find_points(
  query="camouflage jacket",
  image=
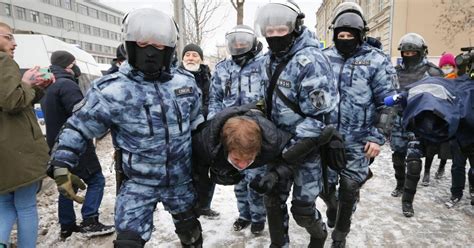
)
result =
(151, 123)
(363, 80)
(308, 81)
(233, 85)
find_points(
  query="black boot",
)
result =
(67, 230)
(440, 172)
(409, 191)
(426, 179)
(399, 166)
(348, 195)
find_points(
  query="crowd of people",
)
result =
(296, 119)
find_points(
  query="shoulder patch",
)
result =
(303, 60)
(100, 81)
(79, 105)
(317, 99)
(183, 91)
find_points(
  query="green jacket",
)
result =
(23, 149)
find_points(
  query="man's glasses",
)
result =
(9, 37)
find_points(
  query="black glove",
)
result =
(264, 185)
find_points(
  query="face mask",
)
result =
(346, 47)
(191, 66)
(447, 70)
(242, 59)
(76, 70)
(237, 167)
(151, 61)
(281, 44)
(411, 61)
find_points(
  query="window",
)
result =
(97, 48)
(96, 31)
(67, 4)
(93, 13)
(87, 29)
(105, 33)
(82, 9)
(48, 19)
(55, 2)
(8, 10)
(70, 25)
(88, 46)
(103, 16)
(107, 49)
(59, 22)
(45, 1)
(20, 13)
(34, 16)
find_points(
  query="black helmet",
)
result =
(352, 21)
(413, 42)
(347, 7)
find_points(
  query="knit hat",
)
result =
(447, 59)
(193, 47)
(62, 59)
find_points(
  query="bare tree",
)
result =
(239, 7)
(456, 17)
(198, 14)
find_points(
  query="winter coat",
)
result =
(113, 68)
(209, 151)
(57, 105)
(363, 80)
(23, 149)
(150, 120)
(203, 81)
(307, 81)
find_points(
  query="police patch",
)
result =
(303, 60)
(317, 99)
(183, 91)
(79, 105)
(284, 83)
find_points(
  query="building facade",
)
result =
(446, 25)
(94, 27)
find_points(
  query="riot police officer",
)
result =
(150, 111)
(365, 77)
(299, 92)
(414, 67)
(237, 81)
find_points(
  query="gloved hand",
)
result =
(265, 184)
(66, 183)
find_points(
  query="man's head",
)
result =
(121, 54)
(413, 49)
(349, 32)
(242, 139)
(66, 61)
(192, 57)
(7, 40)
(150, 47)
(280, 23)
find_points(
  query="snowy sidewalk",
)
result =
(378, 221)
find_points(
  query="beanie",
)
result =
(62, 59)
(447, 59)
(193, 47)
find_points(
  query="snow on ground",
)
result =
(378, 221)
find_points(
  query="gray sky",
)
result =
(226, 15)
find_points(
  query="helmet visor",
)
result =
(411, 42)
(150, 26)
(239, 42)
(273, 20)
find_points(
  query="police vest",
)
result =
(407, 77)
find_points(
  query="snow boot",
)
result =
(67, 230)
(257, 228)
(399, 165)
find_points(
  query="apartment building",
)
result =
(94, 27)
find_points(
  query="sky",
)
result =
(226, 15)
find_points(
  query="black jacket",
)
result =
(57, 105)
(208, 149)
(113, 68)
(203, 81)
